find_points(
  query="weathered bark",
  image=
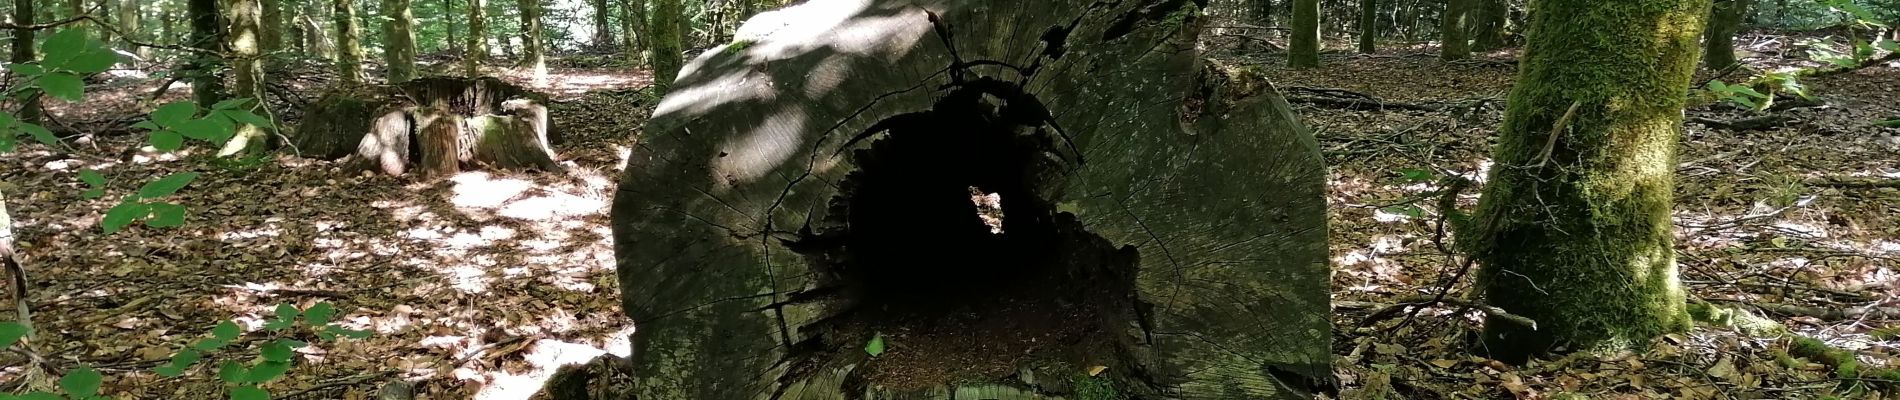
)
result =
(1719, 46)
(665, 41)
(1303, 50)
(636, 28)
(247, 66)
(1574, 230)
(1368, 26)
(379, 126)
(349, 47)
(273, 30)
(475, 45)
(603, 30)
(317, 43)
(15, 270)
(532, 42)
(789, 200)
(439, 137)
(130, 24)
(206, 33)
(399, 40)
(24, 52)
(1487, 24)
(1452, 30)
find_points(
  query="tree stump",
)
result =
(977, 199)
(438, 124)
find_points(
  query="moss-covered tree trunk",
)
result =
(1453, 29)
(1724, 22)
(1487, 22)
(665, 41)
(790, 202)
(1368, 26)
(206, 34)
(273, 31)
(24, 52)
(475, 43)
(247, 68)
(399, 40)
(635, 21)
(1303, 51)
(1574, 229)
(533, 43)
(349, 43)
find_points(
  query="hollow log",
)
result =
(385, 127)
(976, 199)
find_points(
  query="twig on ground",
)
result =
(1388, 311)
(1745, 124)
(1802, 202)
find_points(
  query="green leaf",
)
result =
(93, 193)
(293, 343)
(1892, 123)
(40, 396)
(26, 70)
(268, 371)
(327, 335)
(248, 392)
(247, 118)
(215, 130)
(209, 344)
(123, 215)
(1407, 210)
(166, 215)
(10, 333)
(231, 104)
(167, 185)
(876, 346)
(319, 314)
(92, 178)
(147, 125)
(184, 359)
(82, 382)
(1416, 174)
(174, 113)
(167, 140)
(346, 332)
(63, 86)
(277, 351)
(62, 47)
(94, 61)
(6, 143)
(1888, 45)
(169, 371)
(226, 331)
(39, 133)
(233, 372)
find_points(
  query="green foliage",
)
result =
(876, 346)
(1741, 95)
(10, 333)
(274, 358)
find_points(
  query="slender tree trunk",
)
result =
(535, 56)
(399, 40)
(1368, 26)
(1303, 51)
(666, 43)
(603, 30)
(1487, 24)
(349, 47)
(1453, 29)
(636, 21)
(246, 44)
(130, 24)
(448, 21)
(206, 86)
(1723, 23)
(23, 52)
(273, 25)
(76, 8)
(475, 47)
(1573, 230)
(294, 35)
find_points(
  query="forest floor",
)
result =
(477, 285)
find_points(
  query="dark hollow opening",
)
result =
(919, 257)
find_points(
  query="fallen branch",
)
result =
(1389, 311)
(1802, 202)
(1744, 124)
(1362, 104)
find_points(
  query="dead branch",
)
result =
(1362, 104)
(1745, 124)
(1389, 311)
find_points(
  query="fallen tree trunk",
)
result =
(984, 199)
(439, 125)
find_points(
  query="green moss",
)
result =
(739, 45)
(1096, 388)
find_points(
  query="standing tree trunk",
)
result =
(665, 40)
(23, 52)
(1574, 230)
(10, 263)
(206, 86)
(399, 40)
(603, 29)
(247, 65)
(448, 23)
(532, 43)
(1727, 18)
(75, 8)
(1487, 24)
(273, 30)
(1303, 52)
(1452, 30)
(635, 21)
(795, 205)
(130, 23)
(293, 31)
(475, 45)
(1368, 26)
(349, 47)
